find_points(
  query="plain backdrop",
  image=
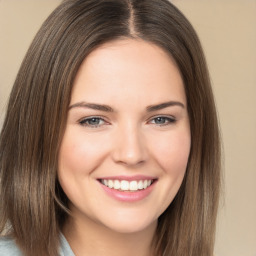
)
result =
(227, 29)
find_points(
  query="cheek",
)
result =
(79, 154)
(172, 152)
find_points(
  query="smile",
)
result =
(128, 188)
(124, 185)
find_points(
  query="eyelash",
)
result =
(168, 120)
(85, 121)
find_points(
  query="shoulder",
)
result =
(8, 247)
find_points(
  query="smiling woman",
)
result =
(110, 144)
(126, 157)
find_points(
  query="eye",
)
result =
(163, 120)
(92, 122)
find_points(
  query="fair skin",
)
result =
(118, 130)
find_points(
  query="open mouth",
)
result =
(127, 186)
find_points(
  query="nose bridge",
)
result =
(129, 146)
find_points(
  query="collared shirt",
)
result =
(9, 248)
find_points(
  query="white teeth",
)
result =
(125, 185)
(116, 184)
(140, 184)
(110, 183)
(133, 185)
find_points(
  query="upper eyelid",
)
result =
(91, 117)
(164, 116)
(83, 121)
(105, 119)
(151, 117)
(108, 120)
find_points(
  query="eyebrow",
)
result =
(95, 106)
(107, 108)
(160, 106)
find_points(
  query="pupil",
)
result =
(94, 121)
(160, 120)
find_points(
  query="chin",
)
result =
(131, 225)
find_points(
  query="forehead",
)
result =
(131, 69)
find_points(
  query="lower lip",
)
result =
(126, 196)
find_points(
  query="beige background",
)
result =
(227, 29)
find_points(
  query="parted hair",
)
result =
(33, 206)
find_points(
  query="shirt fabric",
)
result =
(9, 248)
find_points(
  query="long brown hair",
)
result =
(33, 205)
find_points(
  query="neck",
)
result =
(90, 238)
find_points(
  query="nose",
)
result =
(129, 147)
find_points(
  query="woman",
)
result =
(110, 143)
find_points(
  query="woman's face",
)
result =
(127, 140)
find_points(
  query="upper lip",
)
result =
(128, 178)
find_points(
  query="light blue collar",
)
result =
(65, 249)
